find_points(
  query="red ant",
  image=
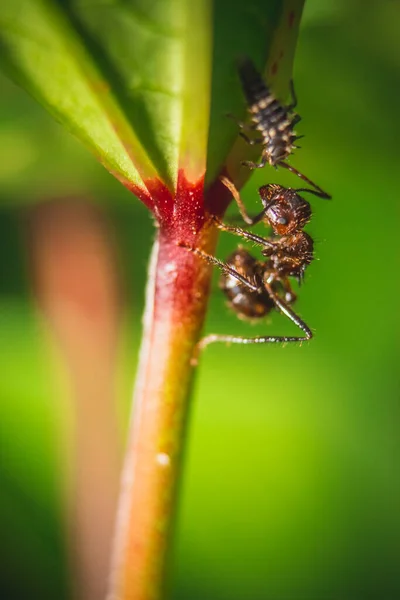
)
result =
(255, 287)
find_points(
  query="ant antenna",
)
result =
(317, 191)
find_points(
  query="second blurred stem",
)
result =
(74, 281)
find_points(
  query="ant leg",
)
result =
(319, 194)
(250, 141)
(242, 209)
(317, 191)
(253, 165)
(288, 312)
(221, 265)
(260, 241)
(233, 339)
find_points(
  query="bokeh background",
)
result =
(292, 482)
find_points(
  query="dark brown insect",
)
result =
(255, 287)
(286, 212)
(274, 121)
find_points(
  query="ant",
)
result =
(287, 213)
(254, 287)
(274, 121)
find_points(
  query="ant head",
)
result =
(285, 211)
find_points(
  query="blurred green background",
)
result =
(292, 484)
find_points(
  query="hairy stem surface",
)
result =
(175, 308)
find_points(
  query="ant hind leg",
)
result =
(234, 339)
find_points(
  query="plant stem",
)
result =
(73, 265)
(175, 308)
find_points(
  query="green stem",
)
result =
(175, 308)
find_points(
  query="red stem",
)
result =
(175, 308)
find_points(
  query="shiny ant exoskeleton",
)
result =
(287, 213)
(274, 121)
(255, 287)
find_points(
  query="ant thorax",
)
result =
(246, 303)
(291, 254)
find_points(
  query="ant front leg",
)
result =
(221, 265)
(268, 245)
(242, 209)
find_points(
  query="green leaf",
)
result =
(46, 55)
(146, 85)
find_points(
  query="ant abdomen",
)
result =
(247, 303)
